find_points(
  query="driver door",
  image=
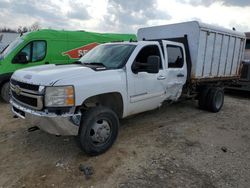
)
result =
(146, 90)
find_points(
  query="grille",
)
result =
(24, 99)
(25, 85)
(27, 94)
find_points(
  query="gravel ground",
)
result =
(177, 145)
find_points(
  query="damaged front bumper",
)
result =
(65, 124)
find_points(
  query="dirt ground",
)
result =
(177, 145)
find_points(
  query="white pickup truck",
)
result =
(116, 80)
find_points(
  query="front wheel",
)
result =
(98, 130)
(5, 92)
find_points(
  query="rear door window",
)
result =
(175, 56)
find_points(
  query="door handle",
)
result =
(180, 75)
(161, 77)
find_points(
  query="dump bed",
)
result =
(215, 52)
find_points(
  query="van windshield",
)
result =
(111, 56)
(11, 47)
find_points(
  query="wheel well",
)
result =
(112, 100)
(3, 82)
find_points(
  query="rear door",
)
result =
(176, 69)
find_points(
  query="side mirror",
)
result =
(153, 64)
(21, 58)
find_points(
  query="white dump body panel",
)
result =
(215, 52)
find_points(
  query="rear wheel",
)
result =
(215, 99)
(203, 96)
(98, 130)
(5, 92)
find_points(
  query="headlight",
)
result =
(59, 96)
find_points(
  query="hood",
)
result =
(49, 74)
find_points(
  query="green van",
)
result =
(49, 47)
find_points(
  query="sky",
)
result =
(122, 16)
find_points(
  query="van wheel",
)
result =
(98, 130)
(202, 98)
(5, 92)
(215, 99)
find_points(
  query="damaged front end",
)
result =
(31, 103)
(64, 124)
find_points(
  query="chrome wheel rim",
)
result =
(100, 131)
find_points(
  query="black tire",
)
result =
(93, 128)
(5, 92)
(215, 99)
(203, 97)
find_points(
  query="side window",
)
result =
(38, 50)
(175, 56)
(248, 44)
(27, 50)
(146, 52)
(35, 50)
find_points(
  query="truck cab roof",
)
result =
(137, 43)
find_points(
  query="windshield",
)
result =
(111, 56)
(11, 47)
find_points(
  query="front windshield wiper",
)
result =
(4, 49)
(77, 62)
(95, 63)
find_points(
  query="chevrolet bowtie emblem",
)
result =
(17, 90)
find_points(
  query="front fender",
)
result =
(101, 82)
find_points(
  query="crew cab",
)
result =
(116, 80)
(48, 46)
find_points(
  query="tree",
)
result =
(35, 26)
(9, 30)
(22, 29)
(25, 29)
